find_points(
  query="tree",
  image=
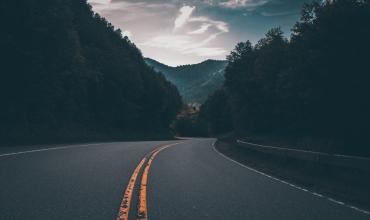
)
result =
(216, 112)
(315, 84)
(68, 73)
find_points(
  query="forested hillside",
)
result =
(195, 82)
(68, 73)
(315, 84)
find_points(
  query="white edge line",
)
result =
(290, 184)
(283, 148)
(48, 149)
(304, 151)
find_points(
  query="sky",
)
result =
(178, 32)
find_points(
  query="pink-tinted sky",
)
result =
(178, 32)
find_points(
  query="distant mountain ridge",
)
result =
(196, 81)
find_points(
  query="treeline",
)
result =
(194, 82)
(315, 84)
(68, 73)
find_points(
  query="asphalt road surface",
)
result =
(189, 180)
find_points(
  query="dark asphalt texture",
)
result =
(186, 181)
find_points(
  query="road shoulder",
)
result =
(338, 184)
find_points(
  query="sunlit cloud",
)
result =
(220, 25)
(189, 31)
(127, 33)
(127, 10)
(185, 45)
(99, 1)
(186, 42)
(234, 3)
(207, 52)
(185, 13)
(201, 30)
(176, 42)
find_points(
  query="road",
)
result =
(189, 180)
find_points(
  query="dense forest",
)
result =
(195, 82)
(68, 73)
(314, 84)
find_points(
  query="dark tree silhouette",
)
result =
(68, 73)
(216, 112)
(315, 84)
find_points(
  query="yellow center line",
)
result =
(143, 210)
(126, 201)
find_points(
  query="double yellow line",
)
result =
(142, 212)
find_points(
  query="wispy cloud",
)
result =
(189, 31)
(243, 3)
(201, 30)
(220, 25)
(127, 10)
(99, 1)
(190, 42)
(185, 13)
(282, 13)
(207, 51)
(185, 45)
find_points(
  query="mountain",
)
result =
(67, 72)
(195, 82)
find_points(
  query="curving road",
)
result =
(189, 180)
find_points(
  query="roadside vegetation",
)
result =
(68, 74)
(188, 124)
(313, 86)
(194, 82)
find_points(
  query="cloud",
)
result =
(176, 42)
(201, 30)
(127, 33)
(193, 35)
(99, 1)
(234, 3)
(185, 13)
(207, 51)
(283, 13)
(185, 44)
(126, 10)
(243, 3)
(220, 25)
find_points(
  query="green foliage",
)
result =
(190, 126)
(216, 112)
(66, 68)
(195, 82)
(315, 84)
